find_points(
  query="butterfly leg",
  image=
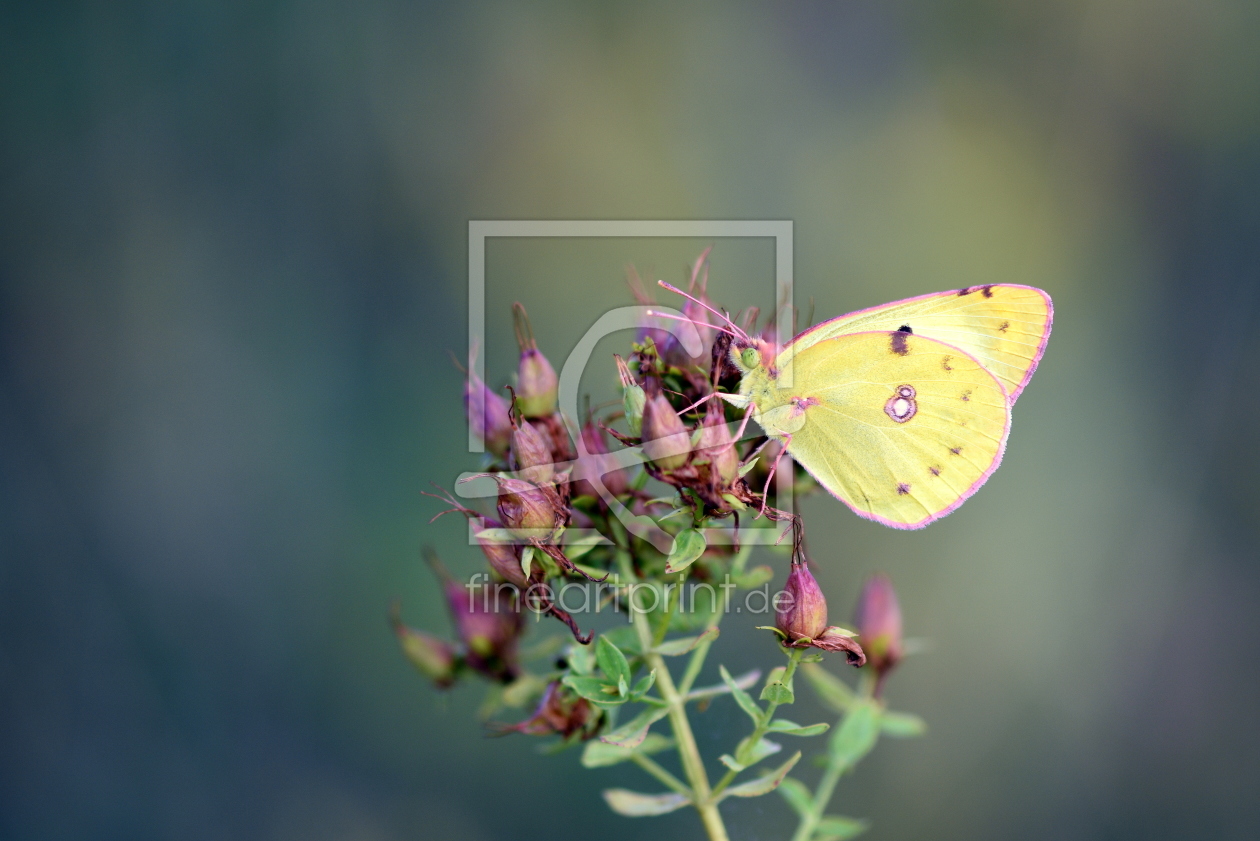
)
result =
(774, 468)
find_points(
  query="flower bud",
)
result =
(633, 397)
(536, 380)
(878, 619)
(562, 712)
(666, 442)
(487, 414)
(528, 507)
(432, 657)
(503, 558)
(531, 454)
(716, 446)
(801, 610)
(487, 621)
(597, 464)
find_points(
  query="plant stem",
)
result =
(827, 785)
(688, 751)
(794, 657)
(650, 765)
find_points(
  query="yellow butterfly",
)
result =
(901, 411)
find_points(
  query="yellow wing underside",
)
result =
(842, 416)
(1005, 327)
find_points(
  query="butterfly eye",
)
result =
(751, 357)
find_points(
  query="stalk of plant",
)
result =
(630, 694)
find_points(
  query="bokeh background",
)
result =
(233, 255)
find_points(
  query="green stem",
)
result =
(650, 765)
(767, 715)
(827, 785)
(688, 751)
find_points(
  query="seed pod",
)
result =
(536, 381)
(666, 442)
(487, 414)
(531, 454)
(432, 657)
(597, 464)
(488, 622)
(801, 610)
(528, 508)
(632, 397)
(717, 447)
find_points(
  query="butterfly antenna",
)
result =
(718, 327)
(734, 331)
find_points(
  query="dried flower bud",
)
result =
(531, 453)
(560, 711)
(529, 508)
(487, 413)
(878, 620)
(633, 397)
(432, 657)
(839, 639)
(716, 445)
(801, 610)
(536, 380)
(666, 442)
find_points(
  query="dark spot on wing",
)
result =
(934, 470)
(898, 343)
(945, 363)
(1004, 327)
(988, 291)
(905, 328)
(903, 489)
(956, 450)
(966, 396)
(966, 290)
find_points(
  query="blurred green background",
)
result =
(233, 256)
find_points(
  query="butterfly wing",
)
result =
(1004, 326)
(904, 463)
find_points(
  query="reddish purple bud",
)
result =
(432, 657)
(801, 609)
(878, 620)
(716, 445)
(597, 464)
(488, 622)
(666, 441)
(563, 712)
(487, 414)
(531, 453)
(536, 380)
(533, 508)
(503, 557)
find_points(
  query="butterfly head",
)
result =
(748, 354)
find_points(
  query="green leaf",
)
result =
(581, 659)
(797, 796)
(744, 469)
(744, 681)
(763, 784)
(633, 732)
(831, 690)
(623, 688)
(689, 544)
(524, 689)
(857, 734)
(683, 645)
(777, 693)
(601, 754)
(642, 685)
(576, 548)
(592, 688)
(625, 637)
(746, 757)
(902, 725)
(611, 661)
(635, 805)
(745, 701)
(789, 728)
(753, 578)
(527, 560)
(837, 828)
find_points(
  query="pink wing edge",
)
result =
(975, 486)
(1041, 347)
